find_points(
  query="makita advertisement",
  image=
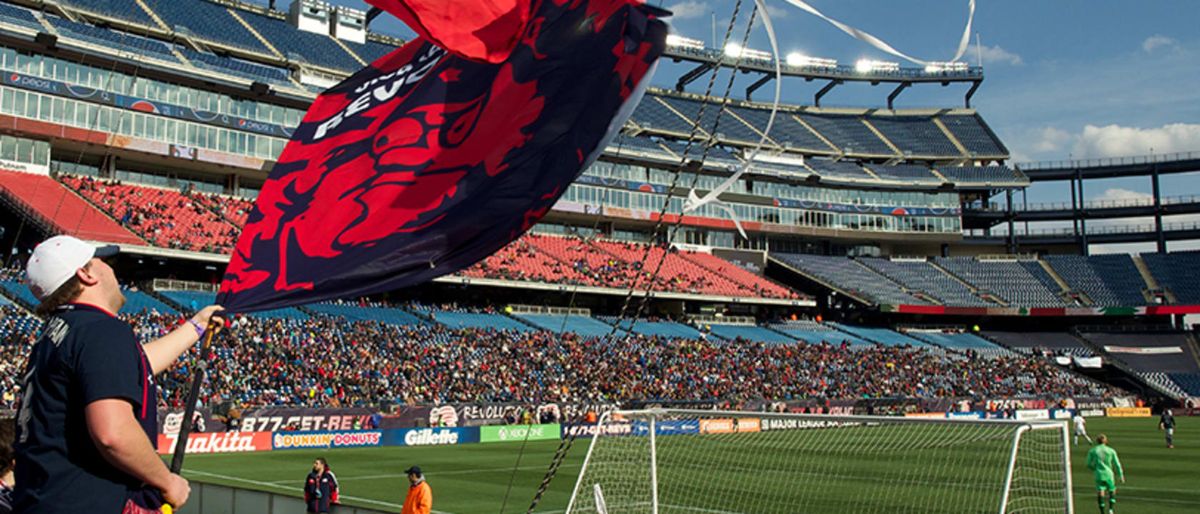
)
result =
(218, 442)
(350, 439)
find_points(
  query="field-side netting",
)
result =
(680, 461)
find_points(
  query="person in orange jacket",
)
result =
(420, 498)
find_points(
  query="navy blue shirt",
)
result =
(83, 354)
(318, 491)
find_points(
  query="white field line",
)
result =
(293, 488)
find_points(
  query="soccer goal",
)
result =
(693, 461)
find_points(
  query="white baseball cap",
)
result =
(55, 261)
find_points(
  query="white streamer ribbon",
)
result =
(880, 44)
(695, 201)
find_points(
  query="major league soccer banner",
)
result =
(437, 155)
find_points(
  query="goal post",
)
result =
(667, 461)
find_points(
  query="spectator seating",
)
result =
(1177, 273)
(786, 131)
(921, 276)
(208, 21)
(1109, 280)
(61, 209)
(845, 274)
(884, 336)
(904, 172)
(728, 127)
(961, 341)
(914, 135)
(17, 15)
(749, 333)
(653, 114)
(167, 218)
(192, 301)
(981, 174)
(1030, 342)
(523, 261)
(1164, 382)
(848, 133)
(137, 302)
(237, 67)
(1188, 382)
(1004, 278)
(16, 289)
(812, 332)
(750, 282)
(840, 169)
(974, 134)
(667, 329)
(574, 323)
(351, 312)
(1170, 351)
(321, 50)
(127, 10)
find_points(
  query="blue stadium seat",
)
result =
(812, 332)
(668, 329)
(127, 10)
(1176, 272)
(845, 274)
(981, 174)
(237, 67)
(1109, 280)
(786, 131)
(904, 172)
(962, 341)
(112, 39)
(582, 325)
(137, 302)
(372, 50)
(914, 135)
(208, 21)
(845, 169)
(652, 114)
(18, 291)
(750, 333)
(848, 133)
(318, 49)
(478, 320)
(390, 315)
(191, 301)
(974, 134)
(19, 16)
(882, 336)
(921, 276)
(1007, 279)
(729, 127)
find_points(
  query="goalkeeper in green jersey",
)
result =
(1103, 461)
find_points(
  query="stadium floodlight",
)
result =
(735, 50)
(663, 460)
(677, 41)
(938, 67)
(871, 66)
(799, 60)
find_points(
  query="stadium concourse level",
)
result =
(341, 361)
(1008, 281)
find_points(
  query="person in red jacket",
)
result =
(320, 488)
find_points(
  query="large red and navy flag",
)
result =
(438, 155)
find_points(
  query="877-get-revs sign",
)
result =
(275, 419)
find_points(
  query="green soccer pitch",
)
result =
(475, 478)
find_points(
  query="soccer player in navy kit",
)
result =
(86, 426)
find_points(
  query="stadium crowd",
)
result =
(328, 361)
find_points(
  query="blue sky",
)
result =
(1064, 78)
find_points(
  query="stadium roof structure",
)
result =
(682, 49)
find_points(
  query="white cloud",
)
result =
(1050, 139)
(689, 9)
(1118, 141)
(1157, 41)
(1119, 194)
(994, 55)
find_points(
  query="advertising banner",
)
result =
(588, 431)
(218, 442)
(346, 439)
(1127, 412)
(203, 420)
(1061, 414)
(431, 436)
(508, 433)
(667, 427)
(965, 415)
(729, 425)
(939, 415)
(1032, 414)
(769, 424)
(278, 419)
(1091, 413)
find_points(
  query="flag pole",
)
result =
(189, 407)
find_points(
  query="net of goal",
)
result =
(686, 461)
